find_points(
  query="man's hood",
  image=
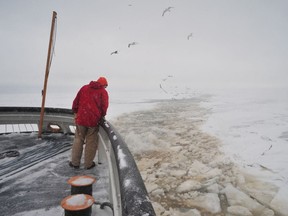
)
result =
(95, 85)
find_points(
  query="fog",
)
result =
(233, 44)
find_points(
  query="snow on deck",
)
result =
(39, 189)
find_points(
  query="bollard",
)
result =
(81, 184)
(78, 205)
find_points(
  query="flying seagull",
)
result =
(115, 52)
(169, 76)
(163, 89)
(132, 44)
(190, 35)
(167, 10)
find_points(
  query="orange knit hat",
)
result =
(102, 81)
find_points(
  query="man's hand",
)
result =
(102, 120)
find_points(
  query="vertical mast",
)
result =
(48, 64)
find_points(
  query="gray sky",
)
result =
(235, 43)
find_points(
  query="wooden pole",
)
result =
(54, 16)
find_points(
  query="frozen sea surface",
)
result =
(250, 124)
(253, 127)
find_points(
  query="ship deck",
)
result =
(36, 179)
(34, 171)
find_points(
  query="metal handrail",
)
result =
(63, 118)
(134, 197)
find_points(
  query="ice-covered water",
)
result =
(253, 127)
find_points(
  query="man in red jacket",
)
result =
(89, 106)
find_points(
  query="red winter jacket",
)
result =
(90, 104)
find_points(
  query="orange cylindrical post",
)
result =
(81, 184)
(78, 205)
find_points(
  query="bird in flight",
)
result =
(190, 35)
(163, 89)
(167, 10)
(169, 76)
(132, 44)
(115, 52)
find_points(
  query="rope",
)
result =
(12, 153)
(54, 42)
(102, 205)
